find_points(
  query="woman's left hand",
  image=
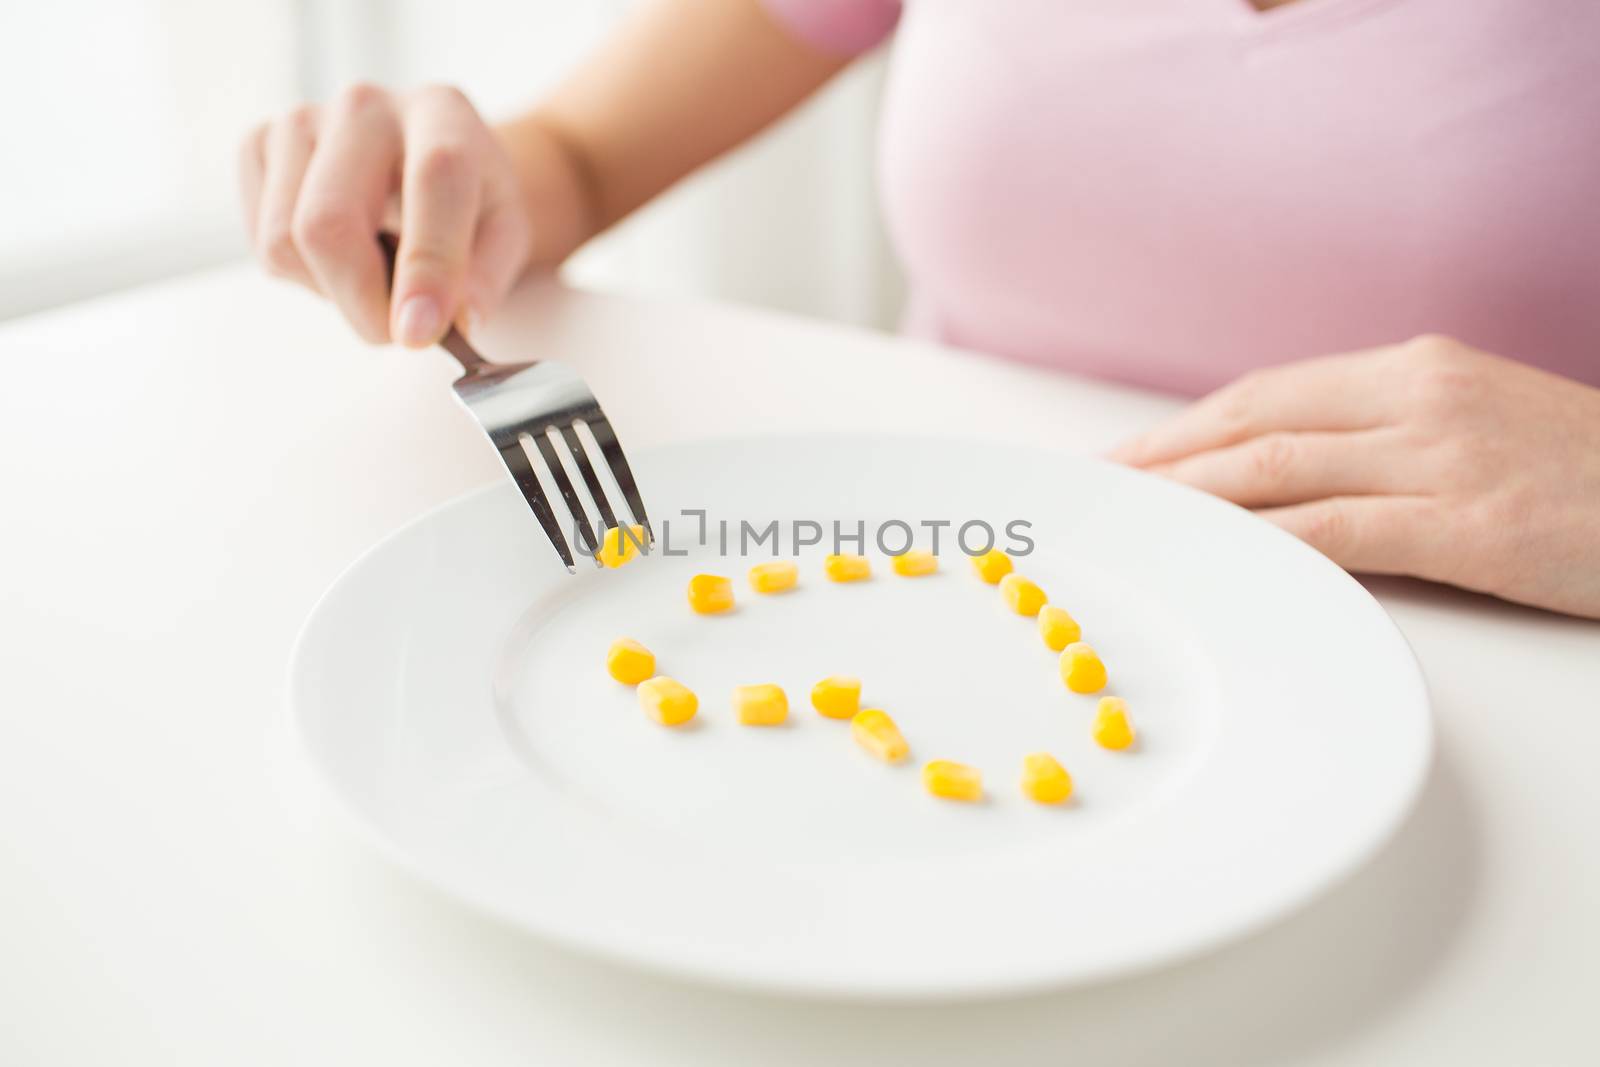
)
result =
(1427, 458)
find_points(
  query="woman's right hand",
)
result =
(319, 183)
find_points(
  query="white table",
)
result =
(186, 467)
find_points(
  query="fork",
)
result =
(541, 402)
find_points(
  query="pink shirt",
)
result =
(1172, 192)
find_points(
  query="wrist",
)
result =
(556, 189)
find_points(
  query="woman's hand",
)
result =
(674, 86)
(1428, 459)
(320, 182)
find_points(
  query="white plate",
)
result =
(451, 689)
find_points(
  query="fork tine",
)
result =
(580, 456)
(606, 438)
(516, 461)
(570, 495)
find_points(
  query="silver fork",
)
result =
(536, 403)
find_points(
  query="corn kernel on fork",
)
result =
(537, 403)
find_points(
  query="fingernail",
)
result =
(472, 322)
(419, 321)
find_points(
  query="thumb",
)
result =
(438, 205)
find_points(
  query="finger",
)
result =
(1370, 534)
(252, 164)
(1292, 468)
(341, 204)
(1328, 393)
(287, 150)
(440, 194)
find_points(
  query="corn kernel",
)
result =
(992, 565)
(847, 568)
(710, 594)
(1024, 597)
(877, 733)
(1057, 628)
(774, 577)
(630, 662)
(668, 702)
(1081, 669)
(618, 546)
(1111, 727)
(1044, 780)
(953, 781)
(915, 563)
(760, 705)
(837, 697)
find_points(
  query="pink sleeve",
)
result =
(843, 27)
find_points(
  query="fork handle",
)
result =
(454, 341)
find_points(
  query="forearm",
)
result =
(677, 85)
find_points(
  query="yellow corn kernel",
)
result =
(1044, 780)
(760, 705)
(837, 697)
(1024, 597)
(668, 702)
(1081, 669)
(847, 568)
(710, 594)
(630, 662)
(1058, 629)
(953, 781)
(618, 546)
(1111, 726)
(992, 565)
(877, 733)
(915, 563)
(774, 577)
